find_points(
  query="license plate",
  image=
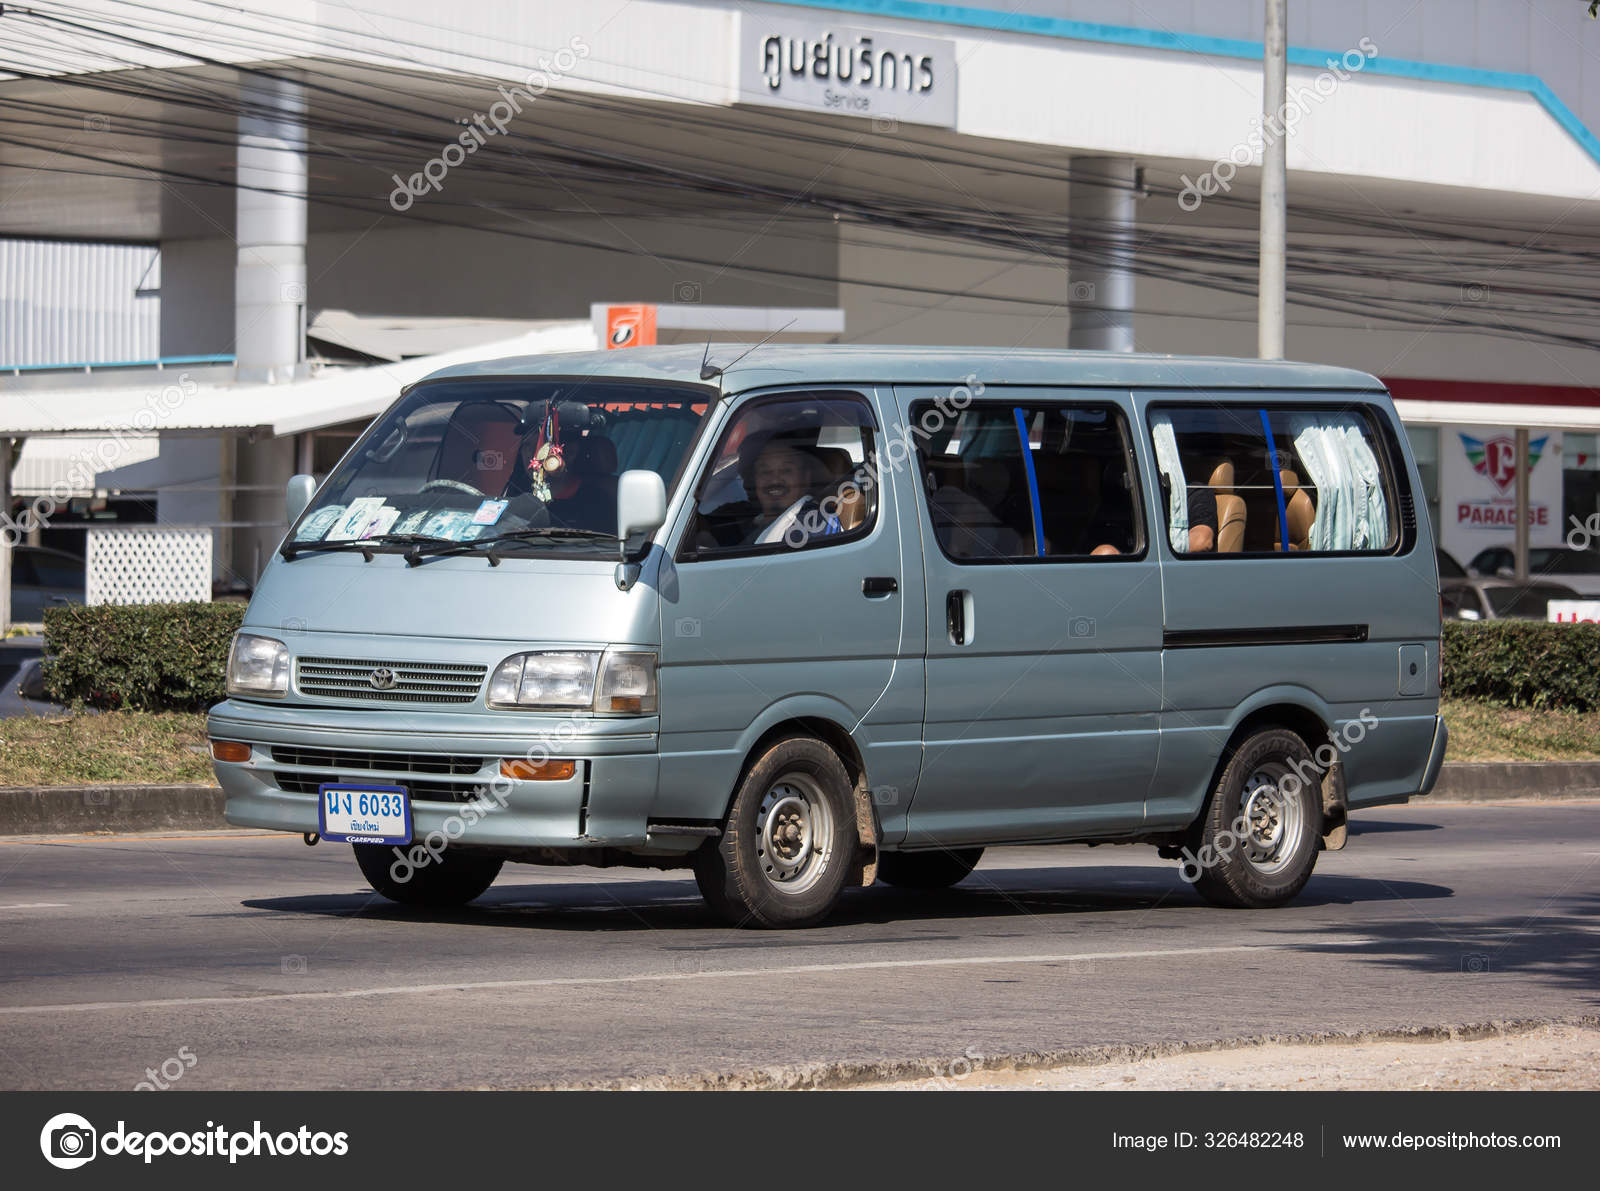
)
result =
(364, 814)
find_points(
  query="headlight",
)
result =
(544, 680)
(258, 666)
(617, 680)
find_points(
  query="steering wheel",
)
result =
(451, 486)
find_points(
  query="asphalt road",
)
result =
(271, 966)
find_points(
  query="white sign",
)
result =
(823, 67)
(1573, 611)
(1478, 489)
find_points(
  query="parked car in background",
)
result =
(1500, 599)
(41, 578)
(1449, 568)
(1578, 569)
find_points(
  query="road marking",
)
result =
(35, 906)
(726, 973)
(24, 841)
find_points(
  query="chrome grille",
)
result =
(302, 782)
(412, 682)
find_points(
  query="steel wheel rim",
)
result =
(1271, 821)
(794, 834)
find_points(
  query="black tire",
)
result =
(1272, 862)
(798, 785)
(928, 870)
(456, 878)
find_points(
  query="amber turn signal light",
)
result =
(537, 771)
(230, 750)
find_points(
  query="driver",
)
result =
(781, 479)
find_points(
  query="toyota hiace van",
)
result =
(827, 615)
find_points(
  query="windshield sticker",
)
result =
(489, 512)
(450, 524)
(314, 526)
(381, 522)
(359, 519)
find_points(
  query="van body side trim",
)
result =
(1311, 634)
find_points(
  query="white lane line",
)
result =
(643, 978)
(35, 906)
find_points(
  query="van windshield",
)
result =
(456, 461)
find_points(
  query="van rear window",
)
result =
(1253, 480)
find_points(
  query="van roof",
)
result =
(788, 364)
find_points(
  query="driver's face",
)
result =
(780, 474)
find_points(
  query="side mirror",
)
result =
(297, 495)
(641, 507)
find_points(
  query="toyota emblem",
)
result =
(382, 679)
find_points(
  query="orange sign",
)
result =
(630, 326)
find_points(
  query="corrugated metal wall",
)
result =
(74, 304)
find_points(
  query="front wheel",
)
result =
(1256, 844)
(789, 842)
(455, 878)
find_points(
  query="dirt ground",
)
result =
(1548, 1058)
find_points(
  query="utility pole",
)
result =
(1274, 214)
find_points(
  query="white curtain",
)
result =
(1352, 513)
(1167, 460)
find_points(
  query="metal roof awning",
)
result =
(75, 463)
(176, 407)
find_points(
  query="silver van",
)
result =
(820, 616)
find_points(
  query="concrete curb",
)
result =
(1497, 781)
(69, 810)
(945, 1071)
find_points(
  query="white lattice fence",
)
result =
(148, 565)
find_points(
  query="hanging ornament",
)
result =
(547, 457)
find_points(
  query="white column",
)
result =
(1100, 201)
(269, 299)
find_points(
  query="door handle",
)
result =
(955, 616)
(875, 586)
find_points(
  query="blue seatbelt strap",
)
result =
(1277, 483)
(1033, 481)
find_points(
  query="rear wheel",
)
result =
(928, 870)
(1256, 844)
(454, 879)
(790, 838)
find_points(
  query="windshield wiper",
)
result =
(291, 550)
(540, 533)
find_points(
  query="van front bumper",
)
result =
(446, 760)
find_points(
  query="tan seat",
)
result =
(1230, 510)
(1301, 511)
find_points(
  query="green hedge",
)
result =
(139, 657)
(170, 657)
(1522, 663)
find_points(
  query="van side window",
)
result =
(1258, 480)
(788, 475)
(1029, 481)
